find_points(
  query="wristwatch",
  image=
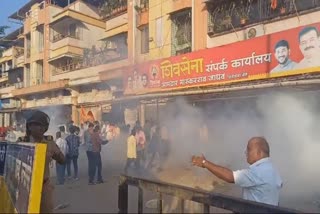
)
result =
(203, 162)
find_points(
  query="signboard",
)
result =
(106, 108)
(23, 177)
(130, 116)
(290, 52)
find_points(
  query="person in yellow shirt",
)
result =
(131, 150)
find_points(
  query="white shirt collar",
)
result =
(263, 160)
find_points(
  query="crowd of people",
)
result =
(148, 146)
(92, 135)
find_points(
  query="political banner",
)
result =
(285, 53)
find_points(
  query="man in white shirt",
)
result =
(260, 182)
(309, 39)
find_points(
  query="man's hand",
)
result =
(219, 171)
(198, 161)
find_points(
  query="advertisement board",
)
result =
(285, 53)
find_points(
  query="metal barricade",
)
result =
(208, 199)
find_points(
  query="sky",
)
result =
(7, 7)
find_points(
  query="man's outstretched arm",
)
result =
(219, 171)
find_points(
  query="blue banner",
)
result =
(18, 174)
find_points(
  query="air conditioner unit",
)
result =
(211, 29)
(255, 31)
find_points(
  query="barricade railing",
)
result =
(208, 199)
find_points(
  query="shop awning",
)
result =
(244, 89)
(45, 87)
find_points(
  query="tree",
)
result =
(2, 34)
(3, 31)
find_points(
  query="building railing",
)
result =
(34, 13)
(185, 193)
(228, 15)
(18, 85)
(89, 60)
(144, 6)
(59, 37)
(113, 8)
(19, 52)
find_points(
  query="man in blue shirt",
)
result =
(260, 182)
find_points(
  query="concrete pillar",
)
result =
(74, 110)
(142, 114)
(75, 115)
(98, 113)
(1, 119)
(6, 119)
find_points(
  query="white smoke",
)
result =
(288, 122)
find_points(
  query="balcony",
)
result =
(113, 8)
(51, 86)
(75, 15)
(59, 37)
(19, 57)
(94, 96)
(20, 61)
(116, 22)
(4, 78)
(143, 18)
(7, 55)
(66, 46)
(60, 100)
(27, 26)
(6, 89)
(90, 59)
(230, 15)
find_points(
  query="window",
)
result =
(145, 39)
(74, 31)
(159, 34)
(41, 38)
(118, 43)
(228, 14)
(27, 75)
(144, 4)
(28, 45)
(181, 32)
(39, 72)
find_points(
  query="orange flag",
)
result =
(90, 116)
(274, 4)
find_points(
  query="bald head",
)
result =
(261, 144)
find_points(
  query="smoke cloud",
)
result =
(289, 122)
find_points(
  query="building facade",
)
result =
(80, 54)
